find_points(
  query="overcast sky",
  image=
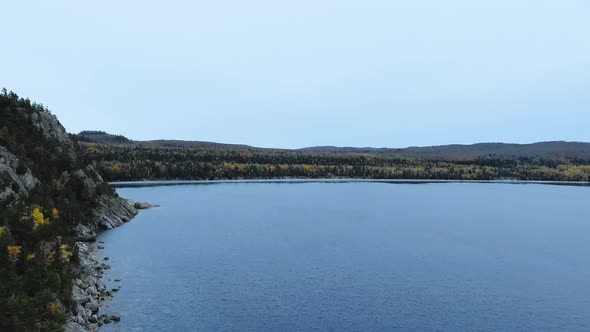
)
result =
(306, 72)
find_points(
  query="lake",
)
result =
(357, 256)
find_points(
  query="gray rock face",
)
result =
(48, 125)
(92, 306)
(89, 184)
(13, 184)
(75, 327)
(88, 292)
(85, 233)
(143, 205)
(113, 212)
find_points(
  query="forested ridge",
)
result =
(47, 196)
(186, 161)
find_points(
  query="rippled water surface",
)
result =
(353, 257)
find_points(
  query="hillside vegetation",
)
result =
(165, 159)
(48, 200)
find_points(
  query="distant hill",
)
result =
(191, 145)
(557, 150)
(101, 137)
(554, 150)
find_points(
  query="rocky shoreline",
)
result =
(88, 290)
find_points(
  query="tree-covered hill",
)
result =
(49, 200)
(559, 151)
(138, 161)
(101, 137)
(194, 160)
(555, 151)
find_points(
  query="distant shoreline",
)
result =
(160, 183)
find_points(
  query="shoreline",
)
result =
(89, 292)
(396, 214)
(159, 183)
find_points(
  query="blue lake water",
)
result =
(353, 257)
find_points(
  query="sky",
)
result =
(291, 74)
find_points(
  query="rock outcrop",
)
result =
(88, 292)
(113, 212)
(48, 125)
(142, 205)
(38, 158)
(15, 179)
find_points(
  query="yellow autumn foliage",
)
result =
(55, 212)
(310, 168)
(116, 166)
(234, 166)
(37, 215)
(39, 218)
(13, 253)
(53, 307)
(30, 257)
(65, 253)
(577, 170)
(1, 231)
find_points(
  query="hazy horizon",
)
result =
(375, 73)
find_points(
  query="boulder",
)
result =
(74, 327)
(93, 306)
(142, 205)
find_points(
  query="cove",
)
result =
(352, 256)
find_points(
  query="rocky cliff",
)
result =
(50, 204)
(17, 180)
(14, 181)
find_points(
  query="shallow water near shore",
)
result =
(352, 256)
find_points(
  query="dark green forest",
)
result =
(37, 237)
(148, 161)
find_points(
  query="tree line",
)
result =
(136, 162)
